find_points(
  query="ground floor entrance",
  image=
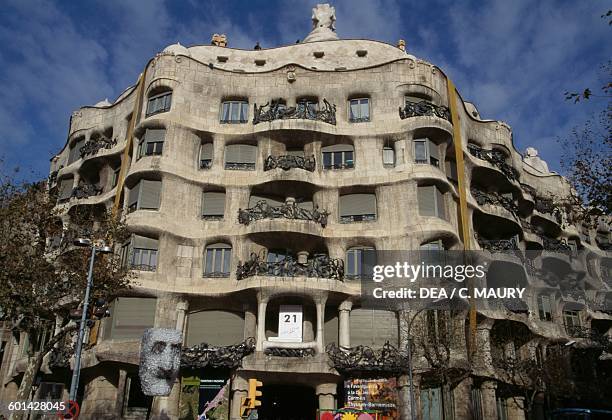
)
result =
(288, 402)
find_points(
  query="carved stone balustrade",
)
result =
(495, 158)
(277, 111)
(286, 162)
(94, 145)
(203, 355)
(287, 352)
(86, 190)
(424, 108)
(363, 359)
(496, 199)
(319, 266)
(262, 210)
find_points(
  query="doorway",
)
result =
(287, 402)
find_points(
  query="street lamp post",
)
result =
(74, 384)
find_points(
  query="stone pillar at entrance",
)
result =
(489, 404)
(262, 304)
(515, 408)
(344, 333)
(320, 304)
(326, 394)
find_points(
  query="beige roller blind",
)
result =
(65, 188)
(153, 135)
(144, 243)
(213, 204)
(240, 153)
(357, 204)
(134, 194)
(434, 150)
(75, 151)
(427, 200)
(272, 201)
(131, 316)
(440, 204)
(331, 327)
(216, 328)
(338, 148)
(372, 327)
(150, 194)
(206, 151)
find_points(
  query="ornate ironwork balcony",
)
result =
(93, 146)
(358, 218)
(495, 199)
(240, 166)
(363, 359)
(86, 191)
(263, 210)
(424, 108)
(286, 162)
(555, 245)
(277, 111)
(498, 245)
(203, 355)
(284, 352)
(205, 163)
(319, 266)
(495, 158)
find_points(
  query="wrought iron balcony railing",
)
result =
(277, 111)
(424, 108)
(286, 352)
(241, 166)
(555, 245)
(262, 210)
(498, 245)
(203, 355)
(495, 199)
(357, 218)
(286, 162)
(495, 158)
(86, 191)
(93, 146)
(205, 163)
(319, 266)
(362, 359)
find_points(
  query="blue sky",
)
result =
(513, 59)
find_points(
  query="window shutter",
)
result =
(357, 204)
(331, 327)
(150, 194)
(232, 153)
(75, 151)
(388, 156)
(154, 135)
(143, 242)
(213, 204)
(434, 150)
(371, 327)
(338, 148)
(451, 170)
(426, 197)
(440, 202)
(134, 194)
(248, 153)
(272, 201)
(131, 316)
(420, 150)
(216, 328)
(65, 188)
(206, 151)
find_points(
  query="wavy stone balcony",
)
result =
(93, 146)
(495, 199)
(495, 158)
(424, 109)
(303, 110)
(286, 162)
(289, 210)
(86, 190)
(203, 355)
(319, 266)
(497, 245)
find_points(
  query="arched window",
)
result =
(217, 260)
(159, 102)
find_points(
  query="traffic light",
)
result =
(254, 393)
(250, 401)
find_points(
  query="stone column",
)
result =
(344, 329)
(320, 305)
(327, 396)
(462, 397)
(403, 386)
(516, 408)
(181, 317)
(489, 403)
(164, 408)
(262, 304)
(120, 393)
(250, 321)
(239, 390)
(482, 356)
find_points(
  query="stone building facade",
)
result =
(255, 182)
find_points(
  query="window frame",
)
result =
(356, 218)
(353, 271)
(360, 102)
(576, 322)
(543, 314)
(338, 159)
(167, 103)
(226, 260)
(206, 163)
(394, 160)
(442, 195)
(138, 204)
(243, 111)
(429, 159)
(143, 145)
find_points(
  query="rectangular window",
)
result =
(115, 179)
(217, 260)
(544, 308)
(431, 201)
(75, 151)
(338, 156)
(360, 262)
(234, 112)
(357, 208)
(159, 103)
(130, 316)
(502, 408)
(308, 107)
(240, 156)
(426, 151)
(388, 156)
(572, 321)
(436, 404)
(65, 189)
(206, 155)
(144, 253)
(451, 170)
(152, 143)
(146, 195)
(213, 205)
(359, 110)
